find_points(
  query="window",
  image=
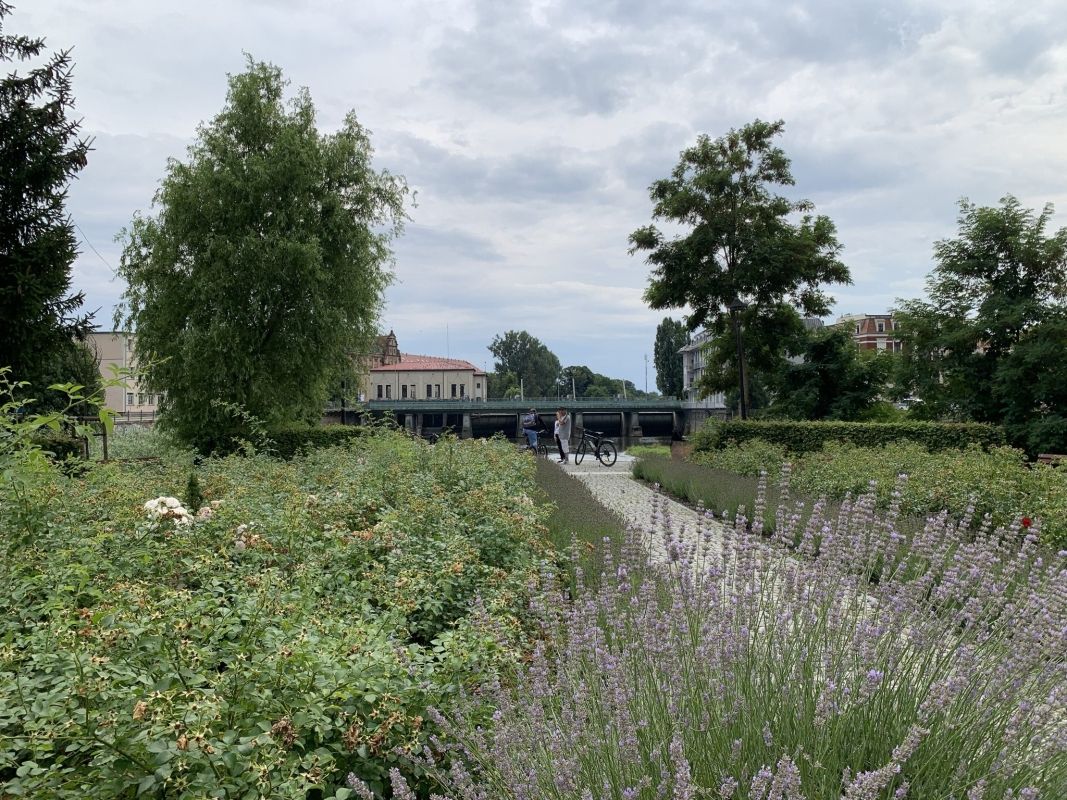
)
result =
(429, 391)
(857, 327)
(881, 326)
(140, 398)
(129, 398)
(388, 391)
(437, 391)
(404, 392)
(453, 391)
(898, 346)
(463, 390)
(414, 391)
(478, 386)
(379, 391)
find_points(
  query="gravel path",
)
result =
(616, 489)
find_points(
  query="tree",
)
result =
(42, 334)
(529, 360)
(671, 337)
(264, 267)
(741, 246)
(992, 288)
(1032, 385)
(832, 379)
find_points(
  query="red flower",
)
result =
(1027, 522)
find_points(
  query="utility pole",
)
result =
(574, 394)
(522, 390)
(646, 373)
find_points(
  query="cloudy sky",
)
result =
(531, 131)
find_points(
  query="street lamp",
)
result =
(736, 307)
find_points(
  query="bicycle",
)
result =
(540, 449)
(603, 448)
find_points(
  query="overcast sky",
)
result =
(532, 130)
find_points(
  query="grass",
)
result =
(716, 489)
(577, 518)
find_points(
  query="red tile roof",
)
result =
(414, 363)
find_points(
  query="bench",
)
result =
(1053, 459)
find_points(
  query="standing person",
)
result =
(530, 423)
(563, 434)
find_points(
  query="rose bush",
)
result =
(292, 631)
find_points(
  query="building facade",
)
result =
(872, 331)
(693, 366)
(416, 377)
(115, 350)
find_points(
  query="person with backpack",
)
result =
(531, 423)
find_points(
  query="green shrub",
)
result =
(297, 632)
(291, 442)
(806, 437)
(749, 458)
(644, 450)
(60, 446)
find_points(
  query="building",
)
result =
(872, 331)
(693, 365)
(116, 350)
(415, 377)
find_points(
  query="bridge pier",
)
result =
(634, 431)
(409, 422)
(466, 431)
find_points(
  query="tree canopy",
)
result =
(527, 359)
(265, 265)
(671, 336)
(40, 153)
(994, 289)
(742, 243)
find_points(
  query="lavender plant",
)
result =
(758, 668)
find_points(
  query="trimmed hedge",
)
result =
(807, 437)
(288, 444)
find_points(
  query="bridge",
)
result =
(628, 420)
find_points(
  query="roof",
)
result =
(410, 362)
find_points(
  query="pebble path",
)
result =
(615, 488)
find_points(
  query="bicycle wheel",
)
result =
(580, 454)
(607, 453)
(542, 448)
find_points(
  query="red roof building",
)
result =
(418, 377)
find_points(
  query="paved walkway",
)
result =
(615, 488)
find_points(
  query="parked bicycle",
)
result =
(599, 445)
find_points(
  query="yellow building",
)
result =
(415, 377)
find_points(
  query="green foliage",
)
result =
(40, 153)
(833, 380)
(671, 336)
(805, 437)
(528, 360)
(722, 491)
(296, 633)
(264, 267)
(290, 442)
(642, 450)
(60, 446)
(995, 288)
(743, 244)
(194, 496)
(969, 482)
(586, 383)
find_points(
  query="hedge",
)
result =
(290, 443)
(807, 437)
(61, 446)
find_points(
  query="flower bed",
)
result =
(291, 631)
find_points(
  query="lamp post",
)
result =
(736, 307)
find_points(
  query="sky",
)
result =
(531, 131)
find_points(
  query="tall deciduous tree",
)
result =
(528, 359)
(265, 265)
(671, 337)
(743, 243)
(40, 153)
(832, 379)
(993, 289)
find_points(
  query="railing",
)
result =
(515, 405)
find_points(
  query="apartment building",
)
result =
(115, 349)
(693, 366)
(872, 331)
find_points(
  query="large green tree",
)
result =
(741, 243)
(830, 379)
(671, 337)
(993, 288)
(264, 266)
(529, 360)
(42, 330)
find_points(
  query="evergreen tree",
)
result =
(671, 336)
(40, 153)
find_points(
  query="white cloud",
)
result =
(532, 130)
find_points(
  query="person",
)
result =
(530, 424)
(563, 434)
